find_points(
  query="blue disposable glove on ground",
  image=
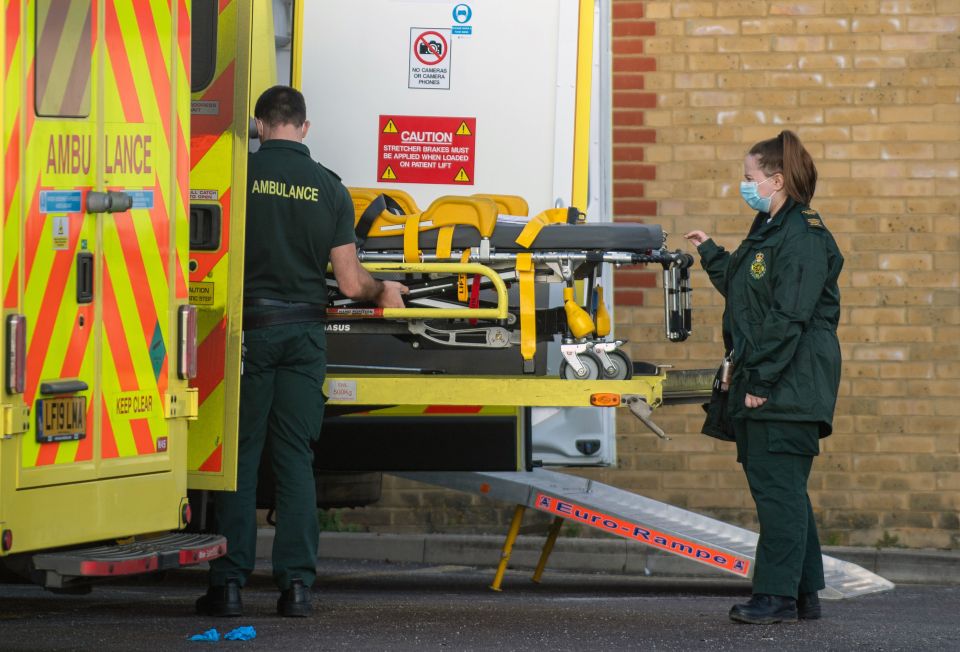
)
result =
(241, 634)
(209, 635)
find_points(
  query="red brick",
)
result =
(628, 46)
(629, 136)
(627, 99)
(634, 171)
(627, 152)
(627, 118)
(626, 188)
(633, 64)
(628, 297)
(629, 82)
(633, 28)
(634, 207)
(627, 10)
(635, 278)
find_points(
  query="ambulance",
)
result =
(126, 130)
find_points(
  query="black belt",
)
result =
(284, 312)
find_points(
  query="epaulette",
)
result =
(812, 218)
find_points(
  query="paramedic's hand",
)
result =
(752, 401)
(697, 237)
(391, 296)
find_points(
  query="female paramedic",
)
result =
(780, 319)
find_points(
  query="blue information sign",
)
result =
(141, 198)
(60, 201)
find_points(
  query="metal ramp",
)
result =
(702, 539)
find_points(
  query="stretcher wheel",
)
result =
(591, 366)
(624, 367)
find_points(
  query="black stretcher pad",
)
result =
(634, 238)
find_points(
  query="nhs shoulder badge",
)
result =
(758, 267)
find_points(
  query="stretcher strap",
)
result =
(445, 242)
(462, 292)
(411, 238)
(528, 314)
(373, 210)
(533, 227)
(475, 296)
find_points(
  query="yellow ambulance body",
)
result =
(99, 337)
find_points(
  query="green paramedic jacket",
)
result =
(781, 316)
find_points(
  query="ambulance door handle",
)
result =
(111, 201)
(84, 277)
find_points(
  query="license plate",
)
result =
(62, 419)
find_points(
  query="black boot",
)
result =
(808, 606)
(295, 601)
(765, 609)
(221, 600)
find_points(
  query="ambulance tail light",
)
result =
(187, 349)
(16, 353)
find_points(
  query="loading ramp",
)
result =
(720, 545)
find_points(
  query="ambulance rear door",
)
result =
(232, 46)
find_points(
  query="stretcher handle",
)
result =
(500, 312)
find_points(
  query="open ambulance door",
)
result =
(232, 46)
(95, 201)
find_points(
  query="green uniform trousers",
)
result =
(281, 399)
(788, 560)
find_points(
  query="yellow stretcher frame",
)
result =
(517, 391)
(500, 312)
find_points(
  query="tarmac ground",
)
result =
(380, 605)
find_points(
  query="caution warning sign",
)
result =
(426, 149)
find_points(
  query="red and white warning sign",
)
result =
(429, 58)
(426, 149)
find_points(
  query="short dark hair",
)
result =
(281, 105)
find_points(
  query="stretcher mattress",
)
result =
(634, 238)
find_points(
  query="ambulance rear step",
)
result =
(721, 546)
(61, 569)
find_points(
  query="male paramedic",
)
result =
(299, 218)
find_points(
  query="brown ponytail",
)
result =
(786, 154)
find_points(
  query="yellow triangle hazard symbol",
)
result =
(388, 174)
(462, 176)
(390, 128)
(463, 129)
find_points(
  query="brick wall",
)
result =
(872, 88)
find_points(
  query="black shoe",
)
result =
(765, 609)
(221, 600)
(295, 602)
(808, 606)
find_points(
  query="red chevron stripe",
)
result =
(113, 325)
(11, 168)
(224, 4)
(120, 63)
(49, 309)
(11, 299)
(13, 32)
(141, 436)
(211, 354)
(137, 273)
(159, 74)
(33, 230)
(108, 441)
(183, 36)
(160, 221)
(207, 129)
(213, 463)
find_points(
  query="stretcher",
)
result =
(476, 267)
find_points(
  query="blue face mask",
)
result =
(750, 191)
